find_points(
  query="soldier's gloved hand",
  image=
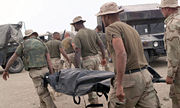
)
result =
(169, 80)
(103, 62)
(120, 93)
(5, 75)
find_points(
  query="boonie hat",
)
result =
(169, 3)
(109, 8)
(30, 32)
(77, 19)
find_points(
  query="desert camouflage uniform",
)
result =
(33, 52)
(86, 40)
(172, 45)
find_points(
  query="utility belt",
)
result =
(129, 72)
(89, 57)
(135, 70)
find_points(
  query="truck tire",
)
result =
(147, 55)
(17, 66)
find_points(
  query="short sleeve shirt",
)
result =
(54, 48)
(131, 41)
(86, 40)
(67, 45)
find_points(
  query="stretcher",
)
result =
(79, 82)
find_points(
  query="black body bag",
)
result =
(78, 82)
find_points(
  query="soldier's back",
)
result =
(34, 53)
(87, 41)
(67, 45)
(54, 48)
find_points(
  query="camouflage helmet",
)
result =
(109, 8)
(77, 19)
(169, 3)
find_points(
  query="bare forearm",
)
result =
(121, 58)
(49, 63)
(102, 48)
(64, 54)
(120, 67)
(103, 53)
(77, 58)
(11, 61)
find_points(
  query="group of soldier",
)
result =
(132, 85)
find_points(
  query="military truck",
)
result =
(45, 37)
(10, 37)
(148, 20)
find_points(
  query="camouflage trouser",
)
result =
(139, 92)
(71, 58)
(175, 91)
(91, 63)
(106, 67)
(57, 64)
(43, 93)
(175, 95)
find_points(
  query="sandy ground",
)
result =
(19, 92)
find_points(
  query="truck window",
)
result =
(157, 28)
(151, 28)
(142, 29)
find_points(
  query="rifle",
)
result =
(63, 34)
(156, 77)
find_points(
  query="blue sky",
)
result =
(55, 15)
